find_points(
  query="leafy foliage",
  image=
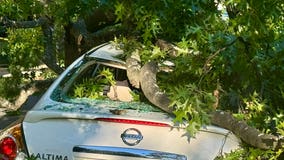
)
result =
(23, 50)
(236, 50)
(9, 88)
(88, 89)
(25, 47)
(93, 87)
(192, 105)
(230, 47)
(251, 154)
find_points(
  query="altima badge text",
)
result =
(131, 136)
(47, 156)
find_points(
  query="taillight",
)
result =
(11, 143)
(130, 121)
(8, 148)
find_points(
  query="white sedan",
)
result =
(91, 112)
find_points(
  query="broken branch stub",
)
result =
(167, 47)
(150, 88)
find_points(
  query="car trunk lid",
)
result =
(61, 134)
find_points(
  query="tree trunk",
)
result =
(79, 40)
(49, 57)
(71, 48)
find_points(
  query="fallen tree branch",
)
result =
(248, 134)
(150, 88)
(133, 67)
(24, 24)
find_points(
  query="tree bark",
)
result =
(78, 39)
(150, 88)
(167, 47)
(133, 67)
(72, 43)
(24, 24)
(247, 133)
(49, 57)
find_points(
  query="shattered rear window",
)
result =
(96, 84)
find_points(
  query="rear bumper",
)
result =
(105, 152)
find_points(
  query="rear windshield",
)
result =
(101, 84)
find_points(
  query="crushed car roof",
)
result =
(107, 51)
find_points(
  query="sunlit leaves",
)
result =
(191, 106)
(26, 47)
(7, 7)
(119, 11)
(241, 55)
(23, 10)
(106, 77)
(251, 154)
(93, 87)
(87, 89)
(279, 122)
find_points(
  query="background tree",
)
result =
(227, 54)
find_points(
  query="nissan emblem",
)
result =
(131, 136)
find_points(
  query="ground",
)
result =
(8, 118)
(11, 112)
